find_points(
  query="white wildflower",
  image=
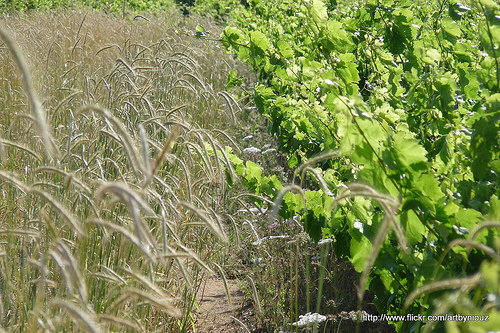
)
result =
(325, 241)
(263, 239)
(253, 210)
(251, 150)
(248, 137)
(357, 315)
(309, 319)
(267, 151)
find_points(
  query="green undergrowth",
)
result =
(119, 187)
(116, 6)
(388, 112)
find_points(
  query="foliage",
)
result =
(110, 5)
(407, 93)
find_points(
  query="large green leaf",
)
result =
(410, 152)
(361, 250)
(284, 49)
(318, 12)
(314, 203)
(429, 185)
(259, 39)
(253, 171)
(451, 27)
(468, 218)
(263, 97)
(415, 230)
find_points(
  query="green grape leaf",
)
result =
(263, 97)
(432, 57)
(415, 230)
(409, 151)
(493, 103)
(451, 27)
(347, 68)
(335, 37)
(468, 218)
(462, 52)
(361, 250)
(494, 212)
(373, 132)
(388, 280)
(318, 12)
(491, 275)
(271, 185)
(482, 147)
(314, 203)
(259, 39)
(229, 178)
(232, 35)
(429, 185)
(419, 204)
(253, 171)
(292, 205)
(452, 327)
(284, 49)
(252, 177)
(386, 57)
(201, 32)
(313, 225)
(485, 326)
(293, 161)
(451, 208)
(472, 88)
(233, 80)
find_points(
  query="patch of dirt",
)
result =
(216, 312)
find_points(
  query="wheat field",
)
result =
(113, 202)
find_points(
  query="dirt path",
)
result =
(215, 310)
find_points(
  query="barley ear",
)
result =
(38, 112)
(255, 295)
(228, 294)
(465, 282)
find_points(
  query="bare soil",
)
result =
(216, 313)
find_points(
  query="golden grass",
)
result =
(110, 202)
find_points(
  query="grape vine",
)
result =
(407, 93)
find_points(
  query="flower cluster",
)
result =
(309, 319)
